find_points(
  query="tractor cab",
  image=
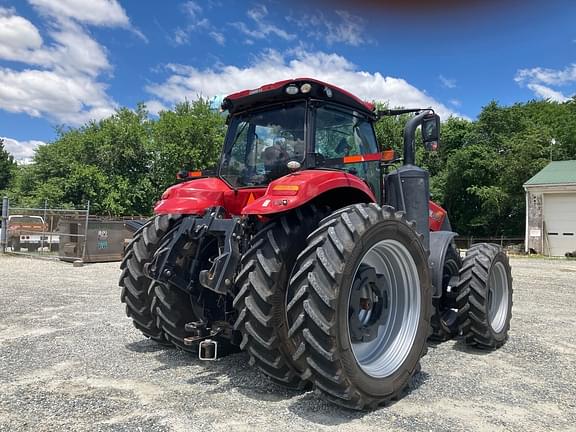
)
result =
(298, 124)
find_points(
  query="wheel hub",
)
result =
(368, 304)
(384, 308)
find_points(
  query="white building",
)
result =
(551, 209)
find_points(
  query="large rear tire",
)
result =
(262, 283)
(486, 296)
(359, 306)
(136, 286)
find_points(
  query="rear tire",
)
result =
(173, 310)
(262, 283)
(136, 286)
(360, 339)
(486, 296)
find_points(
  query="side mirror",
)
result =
(431, 132)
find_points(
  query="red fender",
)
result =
(195, 196)
(294, 190)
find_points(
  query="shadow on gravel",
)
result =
(146, 346)
(232, 372)
(313, 408)
(462, 347)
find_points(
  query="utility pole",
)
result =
(552, 143)
(4, 228)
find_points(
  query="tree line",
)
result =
(122, 164)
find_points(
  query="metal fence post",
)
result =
(41, 250)
(86, 231)
(4, 229)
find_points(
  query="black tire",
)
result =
(445, 317)
(174, 308)
(485, 273)
(319, 301)
(136, 286)
(262, 283)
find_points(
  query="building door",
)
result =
(560, 223)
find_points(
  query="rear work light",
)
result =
(292, 90)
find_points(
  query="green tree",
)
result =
(7, 166)
(189, 137)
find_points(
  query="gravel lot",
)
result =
(70, 360)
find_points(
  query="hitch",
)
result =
(208, 350)
(219, 278)
(202, 335)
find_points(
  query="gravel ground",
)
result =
(70, 360)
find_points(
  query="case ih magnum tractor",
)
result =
(303, 251)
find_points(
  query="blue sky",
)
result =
(64, 62)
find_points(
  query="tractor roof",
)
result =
(277, 92)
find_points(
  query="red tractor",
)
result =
(305, 252)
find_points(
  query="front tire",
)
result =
(486, 297)
(359, 306)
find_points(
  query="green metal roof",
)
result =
(561, 172)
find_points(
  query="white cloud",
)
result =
(189, 82)
(455, 102)
(196, 23)
(23, 151)
(72, 100)
(547, 76)
(547, 93)
(261, 29)
(192, 8)
(218, 37)
(181, 36)
(543, 80)
(106, 13)
(18, 36)
(347, 28)
(447, 82)
(61, 77)
(155, 106)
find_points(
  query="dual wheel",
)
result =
(345, 304)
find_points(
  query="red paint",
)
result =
(194, 197)
(436, 216)
(311, 183)
(279, 84)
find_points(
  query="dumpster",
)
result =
(105, 239)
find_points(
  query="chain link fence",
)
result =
(65, 234)
(45, 232)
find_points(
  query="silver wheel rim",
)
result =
(385, 354)
(497, 297)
